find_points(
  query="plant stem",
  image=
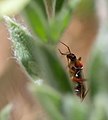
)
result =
(50, 8)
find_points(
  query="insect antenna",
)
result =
(66, 46)
(62, 52)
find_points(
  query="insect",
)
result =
(75, 69)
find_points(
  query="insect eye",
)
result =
(71, 56)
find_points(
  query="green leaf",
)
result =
(59, 5)
(4, 114)
(38, 59)
(61, 20)
(50, 100)
(40, 3)
(49, 32)
(53, 70)
(12, 7)
(23, 45)
(37, 20)
(98, 68)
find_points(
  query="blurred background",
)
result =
(79, 36)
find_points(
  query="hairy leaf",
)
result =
(38, 59)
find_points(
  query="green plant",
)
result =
(36, 54)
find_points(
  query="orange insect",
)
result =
(75, 69)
